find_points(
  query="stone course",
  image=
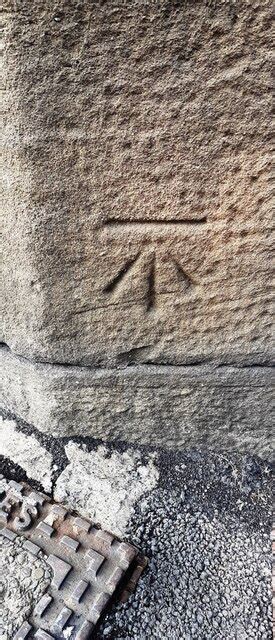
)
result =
(138, 216)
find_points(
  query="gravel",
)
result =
(24, 579)
(205, 527)
(207, 534)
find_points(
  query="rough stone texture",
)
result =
(137, 198)
(224, 407)
(151, 113)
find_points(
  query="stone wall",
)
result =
(138, 217)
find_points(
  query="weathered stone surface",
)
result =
(138, 216)
(137, 166)
(175, 407)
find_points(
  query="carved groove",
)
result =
(185, 277)
(151, 302)
(151, 277)
(115, 222)
(121, 274)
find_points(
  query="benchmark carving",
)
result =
(152, 259)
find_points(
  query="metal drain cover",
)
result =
(88, 564)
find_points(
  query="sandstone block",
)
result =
(172, 407)
(138, 166)
(138, 215)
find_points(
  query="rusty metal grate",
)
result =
(88, 564)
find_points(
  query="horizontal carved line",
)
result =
(117, 222)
